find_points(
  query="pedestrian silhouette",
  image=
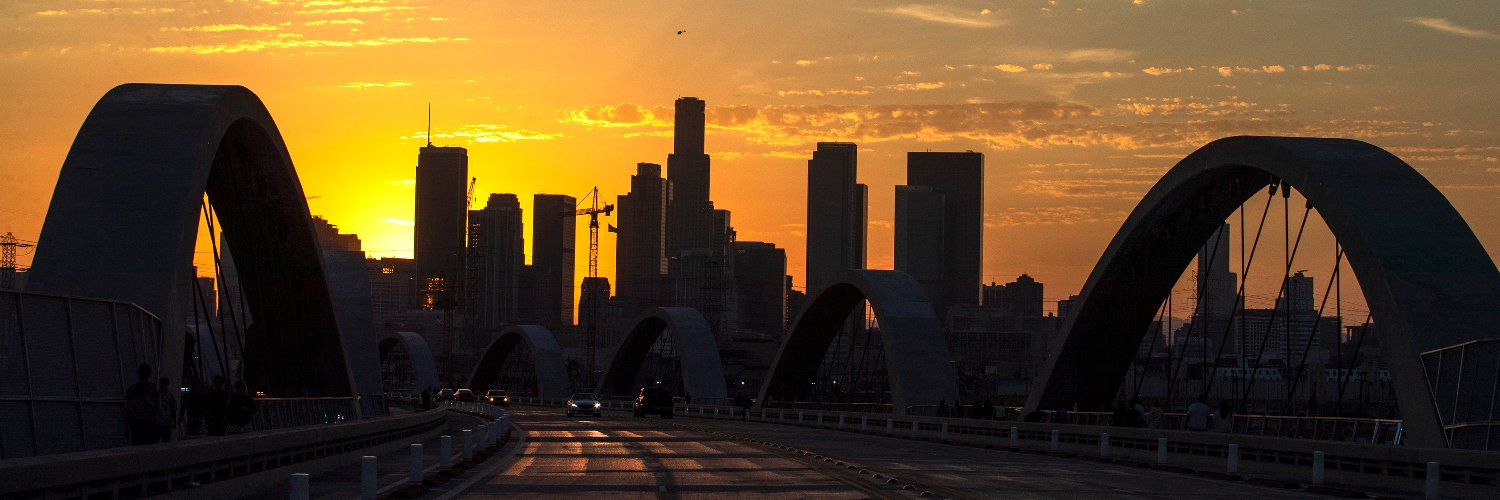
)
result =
(141, 402)
(166, 411)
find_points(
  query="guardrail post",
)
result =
(1317, 472)
(1104, 445)
(367, 474)
(468, 444)
(301, 486)
(799, 417)
(864, 424)
(445, 451)
(841, 421)
(914, 429)
(416, 464)
(1434, 474)
(943, 433)
(1161, 450)
(1054, 440)
(1232, 463)
(1014, 437)
(888, 427)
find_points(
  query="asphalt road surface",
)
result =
(619, 455)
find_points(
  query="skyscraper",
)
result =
(920, 250)
(835, 213)
(438, 235)
(552, 256)
(1216, 284)
(760, 287)
(495, 259)
(959, 178)
(640, 251)
(688, 168)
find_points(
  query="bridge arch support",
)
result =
(125, 213)
(702, 368)
(916, 348)
(1428, 281)
(423, 364)
(546, 357)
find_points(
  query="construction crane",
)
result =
(470, 203)
(591, 330)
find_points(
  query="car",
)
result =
(653, 400)
(497, 397)
(444, 395)
(584, 403)
(464, 396)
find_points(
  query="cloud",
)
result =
(1002, 126)
(322, 22)
(882, 223)
(1444, 26)
(219, 28)
(939, 14)
(1192, 106)
(292, 41)
(1087, 188)
(821, 93)
(110, 11)
(1066, 214)
(905, 87)
(374, 85)
(1103, 55)
(1011, 68)
(626, 114)
(1162, 70)
(486, 133)
(399, 222)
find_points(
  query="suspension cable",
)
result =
(1317, 321)
(1151, 349)
(234, 319)
(1265, 336)
(1244, 278)
(1202, 287)
(1348, 374)
(220, 355)
(1338, 304)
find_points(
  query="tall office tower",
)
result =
(691, 212)
(1216, 284)
(496, 255)
(760, 287)
(835, 213)
(1298, 294)
(920, 250)
(592, 299)
(960, 179)
(1024, 297)
(640, 251)
(438, 236)
(552, 244)
(331, 240)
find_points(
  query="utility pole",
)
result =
(591, 330)
(8, 246)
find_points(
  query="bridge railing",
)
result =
(1379, 464)
(134, 471)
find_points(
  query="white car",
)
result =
(584, 403)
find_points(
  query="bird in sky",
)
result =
(681, 31)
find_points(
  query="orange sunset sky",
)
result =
(1078, 106)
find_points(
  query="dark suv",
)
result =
(654, 400)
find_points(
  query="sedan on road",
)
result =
(584, 403)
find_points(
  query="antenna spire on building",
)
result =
(429, 124)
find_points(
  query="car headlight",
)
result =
(575, 405)
(596, 405)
